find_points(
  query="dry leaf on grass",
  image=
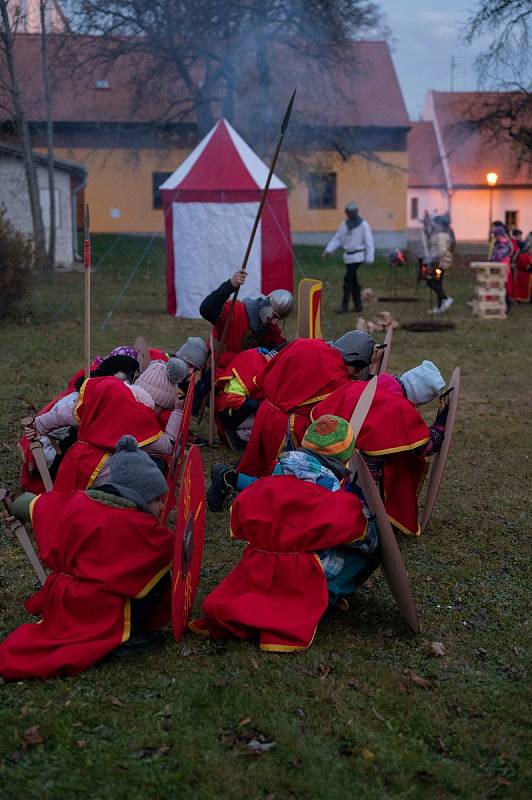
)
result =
(437, 649)
(164, 712)
(367, 755)
(151, 752)
(32, 737)
(416, 679)
(115, 701)
(244, 721)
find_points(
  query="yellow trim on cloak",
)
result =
(80, 399)
(127, 620)
(151, 439)
(401, 449)
(156, 578)
(32, 506)
(402, 528)
(100, 465)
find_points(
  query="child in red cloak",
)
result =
(394, 439)
(305, 372)
(121, 362)
(109, 561)
(253, 321)
(309, 543)
(107, 409)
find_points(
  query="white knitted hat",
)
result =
(422, 383)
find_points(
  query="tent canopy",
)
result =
(210, 203)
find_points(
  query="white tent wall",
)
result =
(208, 247)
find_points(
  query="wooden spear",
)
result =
(216, 356)
(243, 268)
(87, 265)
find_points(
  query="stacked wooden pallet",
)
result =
(490, 292)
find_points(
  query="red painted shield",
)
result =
(189, 536)
(440, 459)
(392, 566)
(178, 455)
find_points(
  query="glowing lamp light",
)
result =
(492, 178)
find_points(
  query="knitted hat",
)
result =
(356, 347)
(124, 350)
(193, 352)
(135, 475)
(141, 395)
(330, 436)
(160, 379)
(423, 383)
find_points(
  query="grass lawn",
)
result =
(350, 717)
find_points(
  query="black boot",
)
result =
(219, 492)
(341, 309)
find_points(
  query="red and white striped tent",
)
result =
(210, 203)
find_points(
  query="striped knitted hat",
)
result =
(330, 436)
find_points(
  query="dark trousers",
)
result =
(352, 287)
(436, 284)
(230, 422)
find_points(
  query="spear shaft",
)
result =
(284, 126)
(87, 270)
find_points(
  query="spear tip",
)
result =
(284, 126)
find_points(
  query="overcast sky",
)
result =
(425, 34)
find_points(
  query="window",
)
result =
(414, 208)
(102, 83)
(156, 179)
(322, 190)
(511, 219)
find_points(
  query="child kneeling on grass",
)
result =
(109, 561)
(311, 542)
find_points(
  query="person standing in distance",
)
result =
(355, 237)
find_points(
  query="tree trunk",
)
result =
(23, 131)
(49, 134)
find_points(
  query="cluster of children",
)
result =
(311, 539)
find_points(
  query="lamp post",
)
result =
(491, 180)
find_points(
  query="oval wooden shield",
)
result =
(392, 566)
(189, 536)
(440, 459)
(309, 296)
(387, 350)
(362, 407)
(143, 352)
(178, 456)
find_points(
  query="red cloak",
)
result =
(523, 278)
(30, 478)
(106, 410)
(279, 590)
(99, 557)
(293, 382)
(240, 336)
(393, 428)
(246, 366)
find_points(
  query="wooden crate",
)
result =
(485, 310)
(491, 295)
(488, 269)
(491, 281)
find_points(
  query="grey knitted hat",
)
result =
(355, 347)
(193, 352)
(135, 475)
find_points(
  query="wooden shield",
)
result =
(386, 351)
(392, 566)
(309, 296)
(189, 536)
(143, 357)
(439, 461)
(212, 390)
(178, 456)
(21, 533)
(362, 407)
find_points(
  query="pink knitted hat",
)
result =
(160, 380)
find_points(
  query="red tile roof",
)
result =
(333, 98)
(473, 153)
(424, 162)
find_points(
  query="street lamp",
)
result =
(491, 180)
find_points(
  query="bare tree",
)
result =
(8, 26)
(230, 58)
(505, 66)
(49, 131)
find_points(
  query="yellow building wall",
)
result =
(119, 189)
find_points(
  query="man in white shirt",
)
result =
(355, 237)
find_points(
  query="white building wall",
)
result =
(14, 196)
(470, 209)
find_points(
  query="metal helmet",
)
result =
(282, 302)
(351, 210)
